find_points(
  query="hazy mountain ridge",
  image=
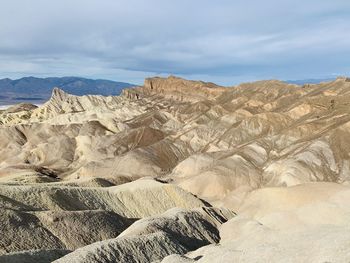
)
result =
(309, 81)
(38, 90)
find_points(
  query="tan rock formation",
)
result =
(154, 238)
(304, 223)
(276, 154)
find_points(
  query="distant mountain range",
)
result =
(309, 81)
(38, 90)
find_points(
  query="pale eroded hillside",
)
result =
(261, 153)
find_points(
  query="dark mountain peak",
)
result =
(38, 90)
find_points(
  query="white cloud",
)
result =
(222, 40)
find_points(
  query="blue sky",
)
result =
(226, 42)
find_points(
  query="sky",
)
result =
(226, 42)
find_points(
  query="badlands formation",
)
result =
(179, 171)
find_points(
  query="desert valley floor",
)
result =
(179, 171)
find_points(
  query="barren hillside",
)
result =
(179, 171)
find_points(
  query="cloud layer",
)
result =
(222, 41)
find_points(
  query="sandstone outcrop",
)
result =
(152, 239)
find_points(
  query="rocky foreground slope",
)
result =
(179, 171)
